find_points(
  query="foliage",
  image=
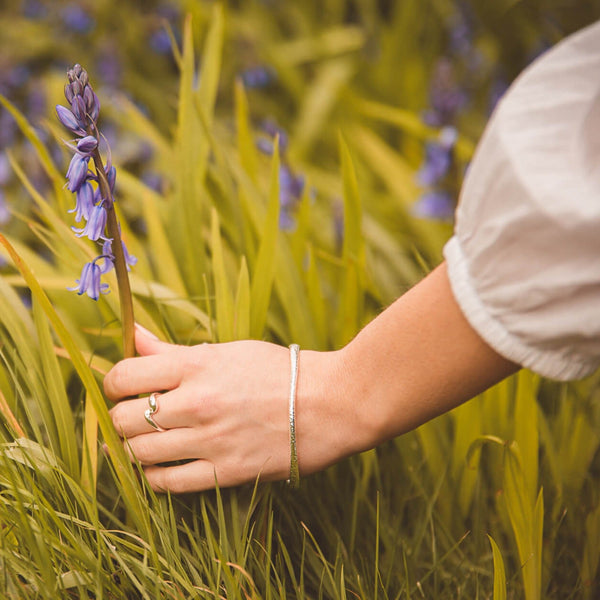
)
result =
(304, 245)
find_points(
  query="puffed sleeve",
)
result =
(524, 260)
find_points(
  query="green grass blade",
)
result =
(55, 404)
(120, 460)
(499, 573)
(242, 304)
(223, 294)
(264, 271)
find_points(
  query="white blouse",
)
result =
(524, 261)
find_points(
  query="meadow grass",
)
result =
(497, 499)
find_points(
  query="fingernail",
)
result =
(145, 332)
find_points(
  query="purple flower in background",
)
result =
(77, 19)
(4, 210)
(291, 187)
(258, 77)
(438, 157)
(160, 41)
(436, 204)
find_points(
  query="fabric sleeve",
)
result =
(524, 260)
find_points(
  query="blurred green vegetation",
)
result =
(305, 246)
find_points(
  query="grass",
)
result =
(498, 499)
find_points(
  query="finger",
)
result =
(147, 343)
(194, 476)
(139, 375)
(128, 416)
(163, 447)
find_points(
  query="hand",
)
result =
(225, 407)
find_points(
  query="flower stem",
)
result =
(125, 299)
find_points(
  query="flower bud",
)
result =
(69, 93)
(76, 88)
(87, 144)
(67, 118)
(78, 107)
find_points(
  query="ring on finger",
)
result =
(151, 411)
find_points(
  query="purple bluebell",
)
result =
(89, 281)
(108, 257)
(77, 172)
(93, 197)
(291, 187)
(130, 259)
(258, 77)
(87, 144)
(34, 9)
(265, 146)
(77, 19)
(273, 130)
(438, 157)
(94, 228)
(85, 202)
(68, 119)
(111, 175)
(5, 170)
(4, 210)
(160, 41)
(435, 204)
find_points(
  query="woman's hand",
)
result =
(225, 409)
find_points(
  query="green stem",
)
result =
(112, 226)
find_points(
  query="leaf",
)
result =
(350, 309)
(242, 304)
(55, 407)
(264, 270)
(245, 142)
(223, 295)
(499, 573)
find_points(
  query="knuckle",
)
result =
(116, 379)
(116, 414)
(141, 448)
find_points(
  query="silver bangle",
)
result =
(294, 480)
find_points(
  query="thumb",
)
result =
(147, 343)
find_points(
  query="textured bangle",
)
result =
(294, 479)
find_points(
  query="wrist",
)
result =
(331, 420)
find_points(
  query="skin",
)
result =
(226, 405)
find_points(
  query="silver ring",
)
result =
(151, 411)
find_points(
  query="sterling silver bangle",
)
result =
(294, 480)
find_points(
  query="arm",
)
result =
(225, 405)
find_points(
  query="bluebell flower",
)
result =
(87, 144)
(94, 188)
(77, 172)
(5, 170)
(34, 9)
(265, 146)
(160, 41)
(84, 203)
(67, 118)
(273, 130)
(438, 157)
(4, 210)
(89, 281)
(94, 228)
(77, 19)
(258, 77)
(435, 204)
(291, 187)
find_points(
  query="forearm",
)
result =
(416, 360)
